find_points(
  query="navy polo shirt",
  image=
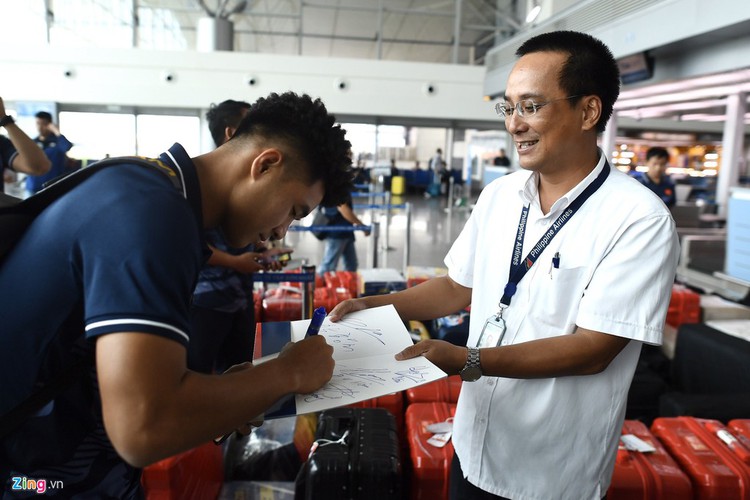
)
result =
(664, 189)
(120, 252)
(56, 148)
(222, 288)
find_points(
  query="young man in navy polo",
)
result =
(656, 178)
(115, 261)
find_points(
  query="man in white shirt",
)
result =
(551, 261)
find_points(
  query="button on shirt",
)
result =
(557, 437)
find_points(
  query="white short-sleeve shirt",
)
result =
(557, 437)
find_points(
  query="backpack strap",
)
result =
(15, 216)
(83, 353)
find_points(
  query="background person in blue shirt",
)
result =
(656, 178)
(111, 266)
(18, 152)
(55, 146)
(340, 244)
(222, 315)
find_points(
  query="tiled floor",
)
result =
(433, 229)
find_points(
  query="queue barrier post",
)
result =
(372, 248)
(407, 238)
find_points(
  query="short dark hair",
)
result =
(312, 132)
(590, 69)
(43, 115)
(658, 152)
(225, 114)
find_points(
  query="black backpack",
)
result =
(15, 217)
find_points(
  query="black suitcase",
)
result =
(356, 458)
(643, 396)
(722, 407)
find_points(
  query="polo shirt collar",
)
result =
(178, 158)
(529, 194)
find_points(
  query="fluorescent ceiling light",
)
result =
(686, 95)
(533, 13)
(669, 109)
(732, 77)
(709, 118)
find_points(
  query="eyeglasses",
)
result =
(525, 108)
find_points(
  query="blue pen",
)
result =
(317, 320)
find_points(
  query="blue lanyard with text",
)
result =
(519, 268)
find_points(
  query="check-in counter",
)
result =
(738, 234)
(491, 172)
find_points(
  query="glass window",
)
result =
(391, 136)
(28, 27)
(84, 24)
(156, 133)
(98, 135)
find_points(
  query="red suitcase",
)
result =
(714, 469)
(445, 389)
(431, 465)
(741, 429)
(328, 296)
(258, 305)
(684, 306)
(646, 476)
(196, 474)
(419, 274)
(282, 304)
(285, 303)
(319, 281)
(345, 279)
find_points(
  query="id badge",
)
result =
(492, 332)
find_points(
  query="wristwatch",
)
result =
(6, 120)
(472, 370)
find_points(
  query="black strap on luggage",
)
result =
(15, 217)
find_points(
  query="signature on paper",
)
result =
(351, 382)
(347, 333)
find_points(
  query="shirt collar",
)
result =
(529, 194)
(178, 158)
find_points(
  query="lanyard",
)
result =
(518, 267)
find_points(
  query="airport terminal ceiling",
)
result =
(691, 59)
(452, 31)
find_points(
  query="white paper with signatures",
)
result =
(364, 345)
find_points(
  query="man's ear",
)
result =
(228, 133)
(592, 111)
(268, 160)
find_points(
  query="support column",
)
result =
(380, 30)
(609, 137)
(732, 153)
(214, 33)
(456, 30)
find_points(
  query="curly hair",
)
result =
(311, 131)
(590, 69)
(228, 113)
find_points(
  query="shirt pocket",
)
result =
(556, 296)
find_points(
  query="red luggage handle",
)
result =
(734, 444)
